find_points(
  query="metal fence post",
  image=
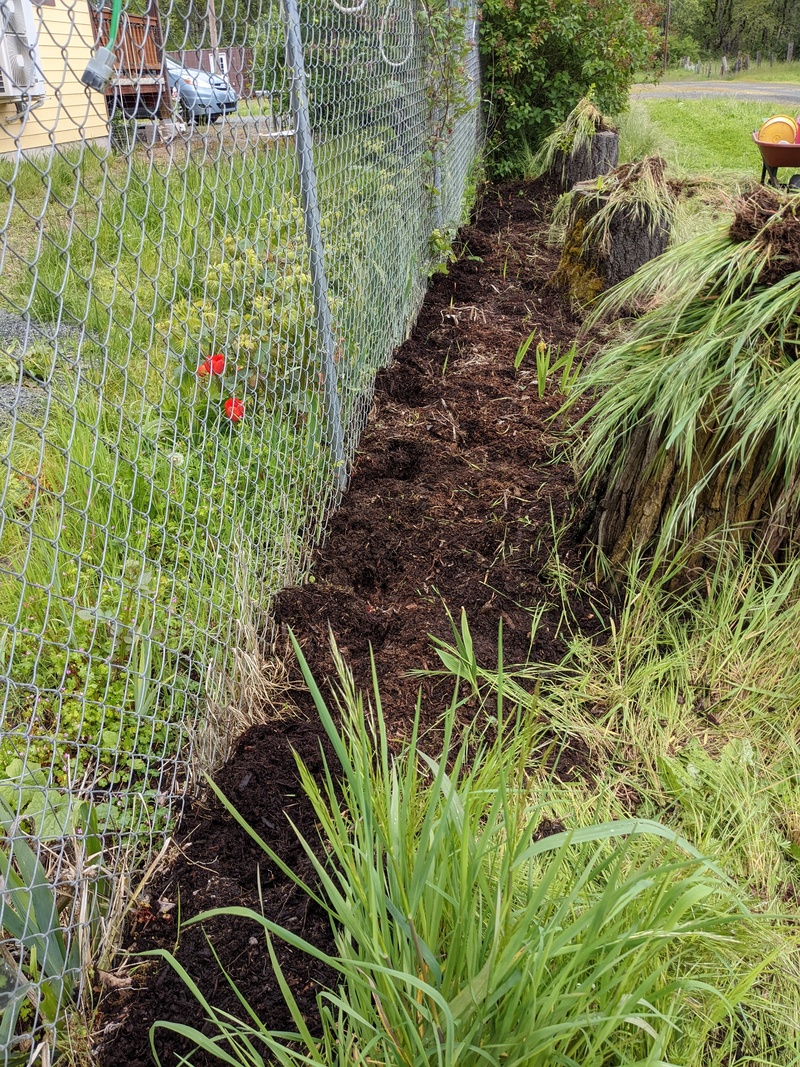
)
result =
(310, 204)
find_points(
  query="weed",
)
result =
(441, 251)
(547, 366)
(46, 965)
(458, 926)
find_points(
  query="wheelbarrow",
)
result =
(774, 156)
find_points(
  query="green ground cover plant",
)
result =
(464, 935)
(184, 449)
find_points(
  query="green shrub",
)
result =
(542, 57)
(683, 46)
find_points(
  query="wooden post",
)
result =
(213, 36)
(790, 52)
(667, 12)
(724, 67)
(758, 59)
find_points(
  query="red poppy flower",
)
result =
(234, 409)
(212, 365)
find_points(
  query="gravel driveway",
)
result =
(783, 93)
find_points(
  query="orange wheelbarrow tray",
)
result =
(774, 156)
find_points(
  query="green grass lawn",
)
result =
(102, 564)
(707, 137)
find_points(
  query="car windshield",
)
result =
(192, 72)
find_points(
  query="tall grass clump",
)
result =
(465, 934)
(695, 425)
(686, 709)
(569, 138)
(641, 136)
(691, 699)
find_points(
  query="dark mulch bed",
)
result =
(458, 478)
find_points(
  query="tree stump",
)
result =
(742, 498)
(735, 475)
(599, 156)
(597, 255)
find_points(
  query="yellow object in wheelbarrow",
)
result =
(780, 128)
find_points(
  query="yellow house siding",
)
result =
(70, 113)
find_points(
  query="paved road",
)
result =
(770, 92)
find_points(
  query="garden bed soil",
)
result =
(457, 488)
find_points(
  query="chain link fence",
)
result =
(206, 257)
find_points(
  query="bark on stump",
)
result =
(760, 505)
(595, 258)
(591, 160)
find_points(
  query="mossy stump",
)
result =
(744, 498)
(600, 251)
(590, 160)
(739, 482)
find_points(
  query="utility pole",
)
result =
(213, 36)
(667, 13)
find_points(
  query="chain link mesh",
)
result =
(195, 301)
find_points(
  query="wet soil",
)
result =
(459, 484)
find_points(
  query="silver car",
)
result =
(201, 95)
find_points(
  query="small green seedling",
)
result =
(522, 351)
(546, 365)
(542, 366)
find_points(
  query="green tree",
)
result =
(728, 27)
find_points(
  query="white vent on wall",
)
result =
(21, 77)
